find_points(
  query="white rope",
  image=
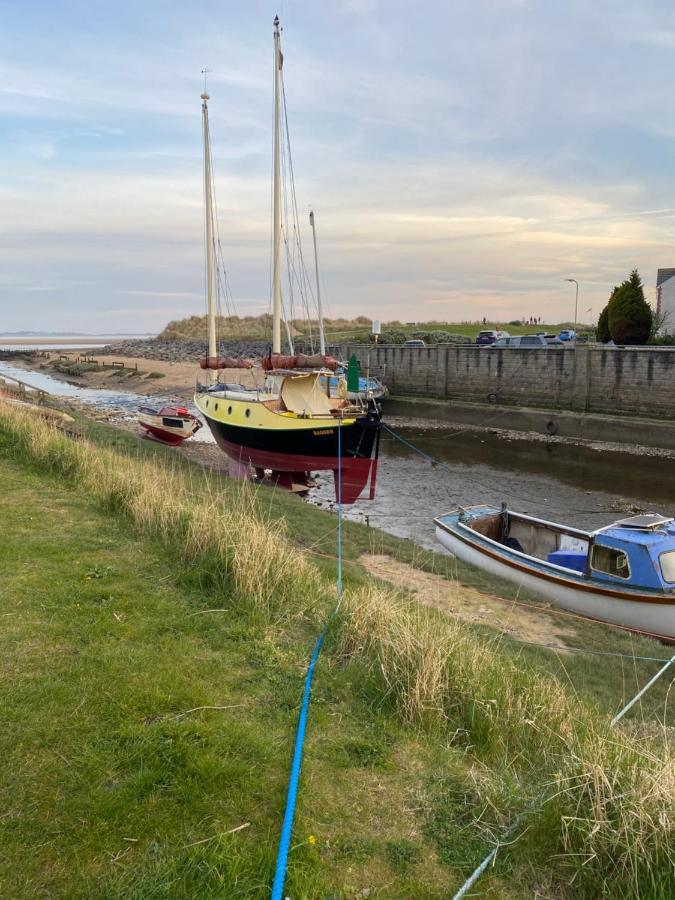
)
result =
(478, 871)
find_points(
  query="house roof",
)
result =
(663, 275)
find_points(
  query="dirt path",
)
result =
(468, 604)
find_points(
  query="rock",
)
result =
(182, 351)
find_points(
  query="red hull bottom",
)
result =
(165, 437)
(291, 471)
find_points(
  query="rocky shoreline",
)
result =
(181, 351)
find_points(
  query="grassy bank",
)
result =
(260, 328)
(426, 738)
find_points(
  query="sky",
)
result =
(462, 158)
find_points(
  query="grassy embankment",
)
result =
(260, 328)
(123, 779)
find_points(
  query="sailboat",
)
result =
(169, 425)
(294, 425)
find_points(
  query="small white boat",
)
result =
(623, 574)
(169, 425)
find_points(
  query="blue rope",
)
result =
(292, 794)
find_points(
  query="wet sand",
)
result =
(178, 378)
(83, 341)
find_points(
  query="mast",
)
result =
(208, 220)
(322, 337)
(276, 260)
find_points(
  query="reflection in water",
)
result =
(565, 483)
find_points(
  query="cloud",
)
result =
(454, 168)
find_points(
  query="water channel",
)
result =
(575, 485)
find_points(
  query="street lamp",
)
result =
(576, 304)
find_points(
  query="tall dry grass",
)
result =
(228, 541)
(599, 799)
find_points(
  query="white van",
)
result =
(522, 342)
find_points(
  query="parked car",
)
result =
(567, 334)
(414, 343)
(522, 342)
(488, 338)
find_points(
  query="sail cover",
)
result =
(304, 395)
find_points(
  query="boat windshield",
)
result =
(667, 563)
(610, 561)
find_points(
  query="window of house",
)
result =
(667, 562)
(610, 561)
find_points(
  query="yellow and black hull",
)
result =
(292, 446)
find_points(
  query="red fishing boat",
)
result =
(170, 424)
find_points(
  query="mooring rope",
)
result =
(478, 871)
(292, 793)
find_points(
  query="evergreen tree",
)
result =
(602, 334)
(629, 315)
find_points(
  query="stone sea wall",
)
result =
(182, 351)
(590, 378)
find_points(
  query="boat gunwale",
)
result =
(303, 422)
(578, 581)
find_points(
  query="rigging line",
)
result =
(216, 216)
(205, 254)
(525, 498)
(296, 764)
(285, 227)
(551, 611)
(222, 291)
(642, 691)
(294, 201)
(537, 801)
(510, 637)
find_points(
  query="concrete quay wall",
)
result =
(590, 378)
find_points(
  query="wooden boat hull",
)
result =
(161, 434)
(292, 448)
(168, 425)
(650, 612)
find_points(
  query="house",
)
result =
(665, 299)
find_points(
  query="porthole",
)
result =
(248, 413)
(215, 406)
(206, 403)
(229, 410)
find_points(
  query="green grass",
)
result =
(424, 739)
(108, 780)
(337, 330)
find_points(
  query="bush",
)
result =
(629, 314)
(391, 337)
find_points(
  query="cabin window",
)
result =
(667, 561)
(248, 413)
(172, 423)
(215, 406)
(610, 561)
(229, 410)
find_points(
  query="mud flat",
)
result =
(153, 377)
